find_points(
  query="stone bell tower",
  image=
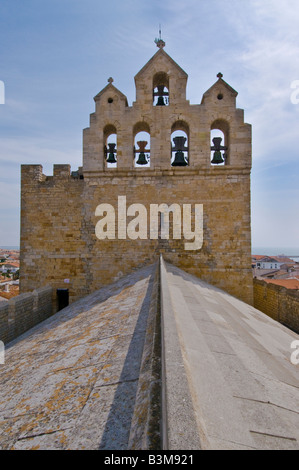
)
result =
(162, 150)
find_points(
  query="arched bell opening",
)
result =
(180, 144)
(110, 146)
(219, 143)
(161, 89)
(142, 142)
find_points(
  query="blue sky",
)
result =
(56, 55)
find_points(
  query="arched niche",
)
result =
(161, 89)
(219, 143)
(142, 145)
(110, 146)
(179, 144)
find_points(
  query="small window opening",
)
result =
(218, 155)
(179, 148)
(161, 96)
(110, 150)
(220, 142)
(161, 89)
(142, 149)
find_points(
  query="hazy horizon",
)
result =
(255, 250)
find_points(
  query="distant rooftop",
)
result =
(292, 283)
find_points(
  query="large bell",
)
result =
(160, 101)
(111, 153)
(179, 145)
(142, 160)
(217, 158)
(179, 159)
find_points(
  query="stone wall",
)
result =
(58, 229)
(52, 247)
(277, 302)
(24, 311)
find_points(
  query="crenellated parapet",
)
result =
(34, 173)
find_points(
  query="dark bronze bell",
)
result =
(112, 150)
(217, 157)
(161, 93)
(142, 160)
(179, 146)
(160, 101)
(179, 159)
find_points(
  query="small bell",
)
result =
(112, 150)
(179, 146)
(179, 159)
(160, 94)
(142, 160)
(160, 101)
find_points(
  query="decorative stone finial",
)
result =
(219, 75)
(159, 41)
(110, 80)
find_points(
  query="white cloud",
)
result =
(267, 59)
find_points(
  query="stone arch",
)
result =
(160, 89)
(220, 129)
(110, 145)
(180, 143)
(142, 144)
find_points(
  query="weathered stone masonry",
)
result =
(277, 302)
(23, 312)
(58, 219)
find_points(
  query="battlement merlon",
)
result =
(31, 173)
(34, 173)
(62, 170)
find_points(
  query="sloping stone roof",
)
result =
(243, 385)
(72, 381)
(111, 88)
(89, 377)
